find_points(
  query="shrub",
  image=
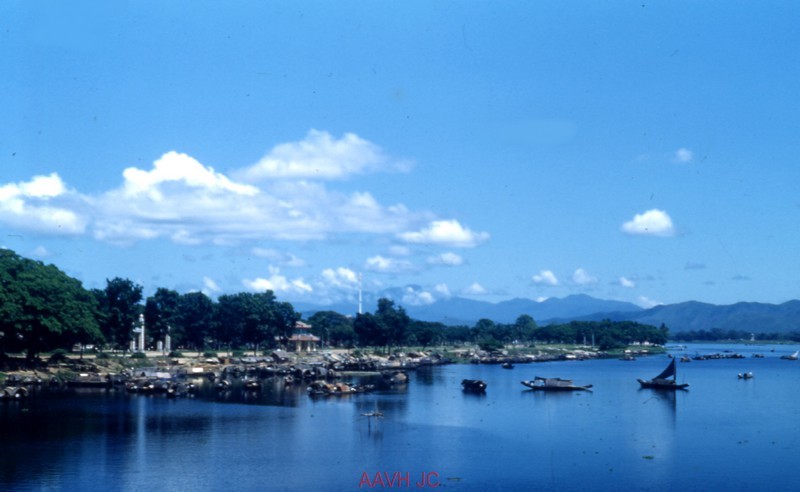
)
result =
(103, 355)
(175, 353)
(138, 355)
(58, 355)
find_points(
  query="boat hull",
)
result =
(662, 386)
(541, 387)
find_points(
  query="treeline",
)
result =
(718, 334)
(42, 309)
(391, 326)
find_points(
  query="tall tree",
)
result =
(194, 320)
(119, 306)
(336, 329)
(161, 312)
(41, 308)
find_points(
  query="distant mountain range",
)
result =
(692, 315)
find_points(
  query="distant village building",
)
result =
(302, 340)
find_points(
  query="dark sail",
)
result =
(668, 372)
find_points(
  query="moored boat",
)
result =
(793, 356)
(662, 381)
(473, 385)
(554, 384)
(745, 375)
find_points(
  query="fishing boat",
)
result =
(794, 356)
(662, 381)
(554, 384)
(473, 385)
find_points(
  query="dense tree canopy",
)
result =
(41, 308)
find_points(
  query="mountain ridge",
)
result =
(755, 317)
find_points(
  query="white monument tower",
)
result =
(141, 334)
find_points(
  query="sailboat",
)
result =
(791, 357)
(662, 381)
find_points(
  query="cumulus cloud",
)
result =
(382, 264)
(627, 283)
(442, 289)
(414, 296)
(545, 277)
(320, 156)
(42, 204)
(683, 155)
(446, 232)
(476, 289)
(40, 252)
(187, 202)
(447, 259)
(277, 283)
(340, 277)
(650, 223)
(647, 303)
(210, 287)
(582, 277)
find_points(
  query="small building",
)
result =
(302, 340)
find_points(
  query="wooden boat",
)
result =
(554, 384)
(323, 388)
(662, 381)
(473, 385)
(794, 356)
(745, 375)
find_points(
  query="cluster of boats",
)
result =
(666, 380)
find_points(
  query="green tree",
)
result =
(334, 328)
(194, 320)
(161, 312)
(41, 308)
(119, 308)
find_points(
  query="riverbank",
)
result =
(67, 367)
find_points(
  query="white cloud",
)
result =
(382, 264)
(321, 156)
(174, 167)
(42, 204)
(417, 297)
(541, 299)
(582, 277)
(647, 303)
(447, 259)
(650, 223)
(210, 287)
(545, 277)
(40, 252)
(446, 232)
(187, 202)
(683, 155)
(627, 283)
(277, 283)
(476, 289)
(340, 277)
(190, 203)
(442, 289)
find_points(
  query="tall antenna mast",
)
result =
(359, 292)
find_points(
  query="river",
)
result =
(723, 433)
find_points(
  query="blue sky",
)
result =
(638, 151)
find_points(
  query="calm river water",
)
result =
(723, 433)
